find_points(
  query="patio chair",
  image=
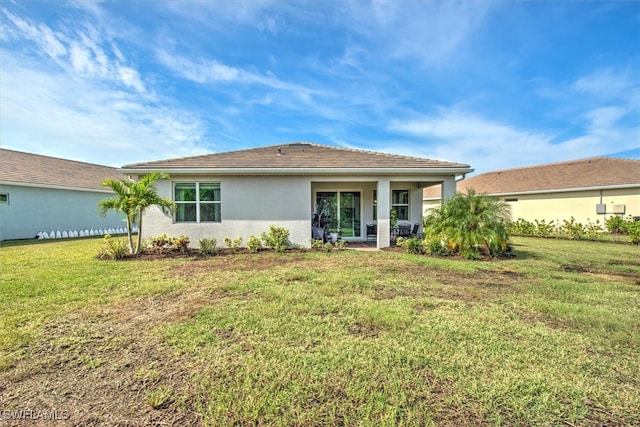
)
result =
(404, 230)
(372, 232)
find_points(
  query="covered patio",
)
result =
(361, 210)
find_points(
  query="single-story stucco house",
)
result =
(241, 193)
(43, 194)
(587, 190)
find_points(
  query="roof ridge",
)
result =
(364, 151)
(564, 162)
(622, 158)
(214, 153)
(286, 144)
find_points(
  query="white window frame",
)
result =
(395, 205)
(197, 202)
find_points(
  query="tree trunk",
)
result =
(139, 240)
(129, 236)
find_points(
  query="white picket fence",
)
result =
(65, 234)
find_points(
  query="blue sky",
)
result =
(495, 84)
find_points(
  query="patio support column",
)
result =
(384, 208)
(415, 204)
(448, 188)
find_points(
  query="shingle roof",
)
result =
(19, 167)
(296, 155)
(585, 173)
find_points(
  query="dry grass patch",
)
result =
(341, 338)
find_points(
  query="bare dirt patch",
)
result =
(473, 287)
(364, 330)
(106, 369)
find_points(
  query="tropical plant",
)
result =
(208, 246)
(115, 249)
(633, 230)
(254, 244)
(470, 224)
(615, 224)
(412, 245)
(233, 245)
(163, 242)
(132, 199)
(277, 238)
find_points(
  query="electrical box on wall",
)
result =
(601, 209)
(619, 209)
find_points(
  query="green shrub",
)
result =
(545, 229)
(208, 246)
(633, 230)
(437, 247)
(317, 244)
(522, 227)
(254, 244)
(572, 229)
(164, 242)
(469, 223)
(233, 245)
(277, 238)
(615, 224)
(341, 244)
(593, 230)
(412, 245)
(158, 242)
(114, 249)
(181, 243)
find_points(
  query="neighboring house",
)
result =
(587, 190)
(43, 194)
(241, 193)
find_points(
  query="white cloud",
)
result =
(130, 78)
(46, 39)
(208, 71)
(58, 115)
(430, 31)
(604, 118)
(606, 83)
(81, 50)
(489, 145)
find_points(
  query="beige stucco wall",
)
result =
(563, 205)
(580, 205)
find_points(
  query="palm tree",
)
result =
(133, 198)
(472, 224)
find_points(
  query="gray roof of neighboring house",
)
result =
(595, 172)
(17, 167)
(299, 155)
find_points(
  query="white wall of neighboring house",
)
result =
(33, 209)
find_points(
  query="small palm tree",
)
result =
(132, 199)
(471, 224)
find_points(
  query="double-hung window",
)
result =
(197, 202)
(400, 203)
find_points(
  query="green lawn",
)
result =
(549, 337)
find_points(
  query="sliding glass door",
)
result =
(340, 211)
